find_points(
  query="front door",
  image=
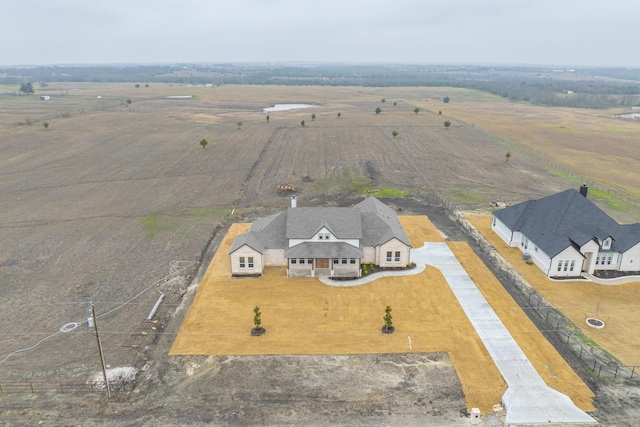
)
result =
(322, 263)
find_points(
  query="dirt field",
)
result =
(97, 207)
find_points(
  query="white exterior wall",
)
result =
(603, 264)
(569, 254)
(246, 252)
(274, 258)
(630, 260)
(501, 230)
(590, 251)
(392, 245)
(541, 259)
(516, 240)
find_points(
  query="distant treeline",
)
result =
(587, 88)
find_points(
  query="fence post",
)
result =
(594, 365)
(615, 375)
(599, 371)
(632, 372)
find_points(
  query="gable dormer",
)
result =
(324, 235)
(606, 243)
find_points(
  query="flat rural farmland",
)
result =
(116, 202)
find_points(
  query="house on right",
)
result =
(565, 234)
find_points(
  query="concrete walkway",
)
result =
(419, 268)
(528, 400)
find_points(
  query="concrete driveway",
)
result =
(528, 399)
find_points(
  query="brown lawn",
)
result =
(303, 316)
(620, 335)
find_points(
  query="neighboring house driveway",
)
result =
(528, 399)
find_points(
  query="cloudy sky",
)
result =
(544, 32)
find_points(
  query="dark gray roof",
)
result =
(555, 222)
(323, 250)
(303, 223)
(380, 223)
(248, 239)
(371, 221)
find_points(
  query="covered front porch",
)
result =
(333, 259)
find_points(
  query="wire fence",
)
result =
(595, 358)
(60, 387)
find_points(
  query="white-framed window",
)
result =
(560, 265)
(294, 260)
(573, 263)
(242, 262)
(336, 260)
(609, 258)
(352, 260)
(566, 265)
(607, 243)
(323, 236)
(344, 260)
(310, 261)
(389, 256)
(397, 257)
(301, 260)
(597, 259)
(250, 262)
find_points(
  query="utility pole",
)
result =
(104, 370)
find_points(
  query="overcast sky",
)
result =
(545, 32)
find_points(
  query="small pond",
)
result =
(629, 116)
(285, 107)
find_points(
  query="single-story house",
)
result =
(330, 241)
(565, 234)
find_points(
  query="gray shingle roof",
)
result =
(323, 250)
(303, 223)
(555, 222)
(380, 223)
(248, 239)
(370, 221)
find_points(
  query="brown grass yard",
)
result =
(620, 335)
(303, 316)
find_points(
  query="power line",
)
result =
(175, 267)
